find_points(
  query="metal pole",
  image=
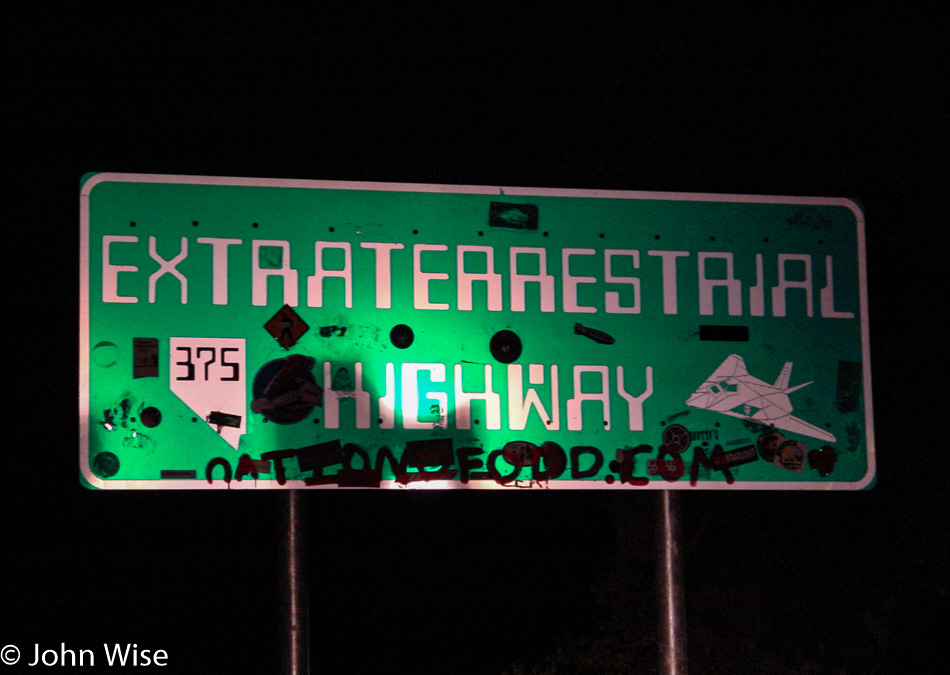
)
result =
(672, 614)
(295, 607)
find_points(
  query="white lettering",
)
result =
(635, 403)
(575, 421)
(544, 280)
(420, 279)
(168, 267)
(733, 286)
(383, 271)
(315, 282)
(612, 298)
(219, 266)
(491, 278)
(410, 395)
(778, 292)
(669, 277)
(331, 399)
(570, 283)
(827, 295)
(463, 401)
(757, 292)
(520, 403)
(110, 272)
(259, 275)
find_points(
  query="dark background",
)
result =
(458, 582)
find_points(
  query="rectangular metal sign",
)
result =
(252, 333)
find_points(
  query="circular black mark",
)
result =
(151, 417)
(505, 346)
(401, 336)
(105, 465)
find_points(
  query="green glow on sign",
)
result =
(254, 333)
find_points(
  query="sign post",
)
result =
(670, 589)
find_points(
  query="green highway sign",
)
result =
(252, 333)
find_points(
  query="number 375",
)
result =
(199, 361)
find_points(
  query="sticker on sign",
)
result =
(256, 333)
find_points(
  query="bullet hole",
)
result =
(401, 336)
(254, 225)
(132, 224)
(194, 223)
(505, 346)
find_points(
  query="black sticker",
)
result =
(105, 465)
(144, 357)
(505, 346)
(513, 216)
(595, 335)
(401, 336)
(179, 474)
(724, 333)
(224, 419)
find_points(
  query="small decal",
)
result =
(505, 346)
(179, 474)
(724, 333)
(144, 357)
(286, 327)
(105, 465)
(731, 458)
(668, 469)
(220, 419)
(593, 334)
(731, 390)
(285, 390)
(329, 331)
(513, 216)
(401, 336)
(823, 460)
(791, 455)
(767, 445)
(676, 438)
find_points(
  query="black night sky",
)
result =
(469, 581)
